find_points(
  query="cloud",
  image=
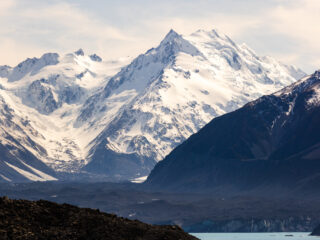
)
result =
(13, 51)
(59, 26)
(299, 20)
(286, 29)
(5, 6)
(72, 20)
(233, 25)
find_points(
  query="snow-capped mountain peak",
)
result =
(30, 66)
(171, 35)
(118, 118)
(173, 90)
(210, 35)
(174, 43)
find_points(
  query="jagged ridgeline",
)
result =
(76, 116)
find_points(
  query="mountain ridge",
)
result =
(118, 118)
(272, 141)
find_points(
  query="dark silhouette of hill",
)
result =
(22, 219)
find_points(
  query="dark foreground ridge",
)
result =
(22, 219)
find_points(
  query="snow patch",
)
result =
(26, 174)
(139, 179)
(43, 175)
(5, 178)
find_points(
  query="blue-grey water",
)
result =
(255, 236)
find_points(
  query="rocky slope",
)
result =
(21, 219)
(271, 143)
(83, 116)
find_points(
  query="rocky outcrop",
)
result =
(96, 58)
(22, 219)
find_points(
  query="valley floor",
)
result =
(255, 236)
(193, 212)
(37, 220)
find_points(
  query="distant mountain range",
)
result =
(272, 143)
(78, 117)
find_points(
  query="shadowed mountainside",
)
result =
(270, 143)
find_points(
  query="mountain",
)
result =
(271, 143)
(37, 136)
(171, 92)
(82, 116)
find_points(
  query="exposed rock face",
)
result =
(47, 95)
(21, 219)
(96, 58)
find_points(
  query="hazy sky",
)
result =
(286, 29)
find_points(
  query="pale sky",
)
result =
(288, 30)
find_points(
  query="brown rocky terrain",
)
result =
(22, 219)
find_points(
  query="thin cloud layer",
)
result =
(300, 21)
(285, 29)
